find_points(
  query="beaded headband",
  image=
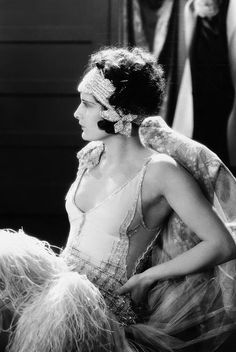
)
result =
(102, 88)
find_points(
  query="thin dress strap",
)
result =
(131, 213)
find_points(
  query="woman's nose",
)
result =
(77, 114)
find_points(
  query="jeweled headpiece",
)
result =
(102, 88)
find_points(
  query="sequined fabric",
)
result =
(99, 240)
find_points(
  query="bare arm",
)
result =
(185, 197)
(231, 35)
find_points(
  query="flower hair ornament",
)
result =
(102, 88)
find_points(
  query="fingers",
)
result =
(122, 290)
(135, 294)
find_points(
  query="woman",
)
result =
(141, 231)
(121, 202)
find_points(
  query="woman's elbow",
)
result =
(226, 249)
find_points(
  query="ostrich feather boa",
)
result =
(53, 308)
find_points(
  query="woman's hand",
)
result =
(137, 286)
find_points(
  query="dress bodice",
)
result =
(109, 242)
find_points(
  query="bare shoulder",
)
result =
(163, 170)
(161, 163)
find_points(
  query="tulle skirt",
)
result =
(196, 312)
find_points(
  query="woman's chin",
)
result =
(87, 138)
(84, 136)
(93, 136)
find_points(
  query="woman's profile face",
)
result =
(88, 115)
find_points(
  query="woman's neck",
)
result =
(122, 150)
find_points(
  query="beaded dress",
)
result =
(110, 242)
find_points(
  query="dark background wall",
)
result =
(44, 46)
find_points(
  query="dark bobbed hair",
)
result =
(138, 80)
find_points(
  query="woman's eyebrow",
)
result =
(88, 101)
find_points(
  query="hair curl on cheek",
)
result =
(107, 126)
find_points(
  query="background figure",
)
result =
(210, 52)
(195, 41)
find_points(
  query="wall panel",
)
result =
(44, 46)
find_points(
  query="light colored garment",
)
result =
(109, 242)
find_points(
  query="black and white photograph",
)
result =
(117, 175)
